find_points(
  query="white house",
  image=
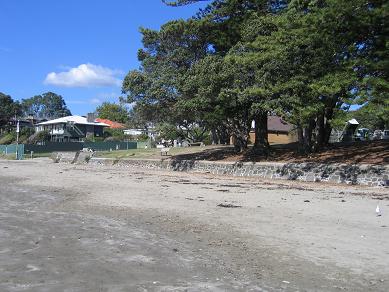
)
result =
(72, 128)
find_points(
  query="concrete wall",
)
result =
(313, 172)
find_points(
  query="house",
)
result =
(72, 128)
(279, 131)
(149, 130)
(151, 133)
(111, 124)
(349, 130)
(26, 122)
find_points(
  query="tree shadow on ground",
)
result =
(370, 152)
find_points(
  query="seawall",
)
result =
(356, 174)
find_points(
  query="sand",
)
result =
(209, 232)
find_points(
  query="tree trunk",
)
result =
(307, 132)
(261, 143)
(214, 137)
(223, 135)
(240, 143)
(301, 142)
(320, 131)
(327, 129)
(240, 135)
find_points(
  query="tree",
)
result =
(168, 54)
(372, 116)
(240, 60)
(8, 109)
(114, 112)
(48, 105)
(306, 65)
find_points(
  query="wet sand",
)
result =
(83, 228)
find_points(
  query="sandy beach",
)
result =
(83, 228)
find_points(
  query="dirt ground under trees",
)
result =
(372, 152)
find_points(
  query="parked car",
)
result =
(362, 134)
(385, 134)
(377, 135)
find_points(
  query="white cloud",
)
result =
(85, 75)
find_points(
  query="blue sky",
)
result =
(80, 49)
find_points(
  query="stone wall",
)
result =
(313, 172)
(78, 157)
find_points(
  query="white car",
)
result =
(385, 135)
(363, 134)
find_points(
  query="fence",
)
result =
(76, 146)
(52, 146)
(12, 149)
(144, 144)
(110, 146)
(48, 147)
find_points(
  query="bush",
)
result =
(89, 138)
(25, 134)
(8, 138)
(167, 131)
(207, 140)
(39, 137)
(112, 139)
(115, 135)
(142, 137)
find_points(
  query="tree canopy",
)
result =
(240, 60)
(8, 109)
(48, 105)
(114, 112)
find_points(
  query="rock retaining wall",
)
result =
(78, 157)
(370, 175)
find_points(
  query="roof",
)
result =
(353, 122)
(277, 124)
(111, 124)
(72, 119)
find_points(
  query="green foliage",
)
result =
(372, 116)
(207, 140)
(115, 135)
(114, 112)
(24, 134)
(239, 60)
(142, 137)
(90, 137)
(8, 138)
(41, 136)
(167, 131)
(8, 109)
(48, 105)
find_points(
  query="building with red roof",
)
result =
(111, 124)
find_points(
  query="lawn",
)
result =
(372, 152)
(152, 153)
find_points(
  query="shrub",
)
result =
(8, 138)
(39, 137)
(115, 135)
(142, 137)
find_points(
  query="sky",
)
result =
(80, 49)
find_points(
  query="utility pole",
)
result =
(17, 138)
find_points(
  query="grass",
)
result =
(372, 152)
(37, 155)
(152, 153)
(8, 156)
